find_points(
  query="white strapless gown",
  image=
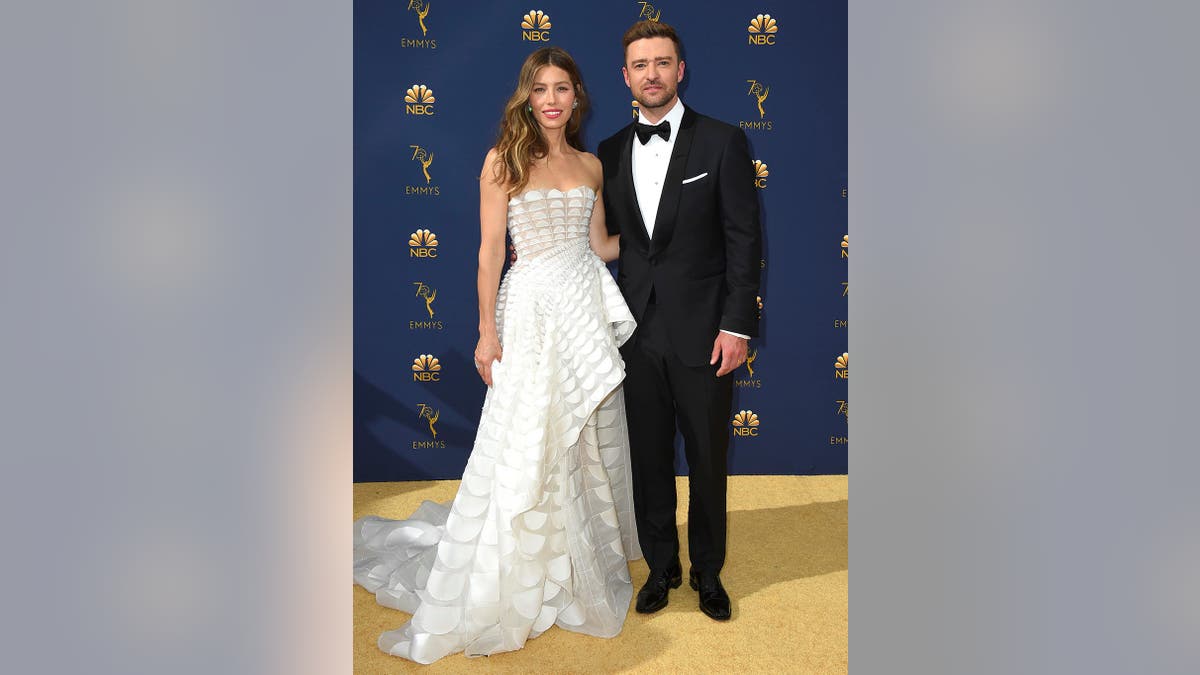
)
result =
(542, 528)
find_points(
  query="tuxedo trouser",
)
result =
(661, 393)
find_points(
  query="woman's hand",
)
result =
(487, 350)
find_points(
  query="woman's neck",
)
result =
(556, 142)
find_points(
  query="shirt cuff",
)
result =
(744, 337)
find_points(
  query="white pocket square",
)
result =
(694, 178)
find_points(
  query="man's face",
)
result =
(653, 72)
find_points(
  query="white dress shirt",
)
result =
(650, 162)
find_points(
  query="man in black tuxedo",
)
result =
(679, 188)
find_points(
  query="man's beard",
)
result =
(664, 94)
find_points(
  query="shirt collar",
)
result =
(674, 115)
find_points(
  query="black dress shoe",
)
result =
(714, 601)
(653, 595)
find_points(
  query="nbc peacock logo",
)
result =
(419, 100)
(422, 244)
(635, 109)
(841, 367)
(746, 423)
(649, 13)
(762, 30)
(535, 26)
(426, 368)
(760, 174)
(845, 246)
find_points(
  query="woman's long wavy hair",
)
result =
(520, 140)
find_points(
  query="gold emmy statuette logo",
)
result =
(845, 246)
(841, 367)
(426, 368)
(419, 100)
(762, 30)
(649, 13)
(427, 413)
(425, 157)
(843, 408)
(845, 288)
(760, 174)
(750, 382)
(422, 10)
(427, 294)
(535, 26)
(745, 423)
(635, 109)
(760, 93)
(422, 244)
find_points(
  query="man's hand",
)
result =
(730, 350)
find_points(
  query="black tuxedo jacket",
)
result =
(703, 262)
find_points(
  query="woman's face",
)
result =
(552, 96)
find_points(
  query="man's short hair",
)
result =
(651, 29)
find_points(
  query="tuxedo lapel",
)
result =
(625, 178)
(668, 204)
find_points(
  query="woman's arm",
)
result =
(606, 246)
(493, 216)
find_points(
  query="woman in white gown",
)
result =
(542, 528)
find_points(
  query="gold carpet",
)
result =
(785, 571)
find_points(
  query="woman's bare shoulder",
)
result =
(595, 170)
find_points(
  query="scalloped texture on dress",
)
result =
(542, 527)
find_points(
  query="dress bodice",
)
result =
(547, 222)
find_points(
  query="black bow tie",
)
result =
(645, 131)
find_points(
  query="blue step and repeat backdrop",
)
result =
(430, 81)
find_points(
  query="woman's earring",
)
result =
(529, 108)
(575, 105)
